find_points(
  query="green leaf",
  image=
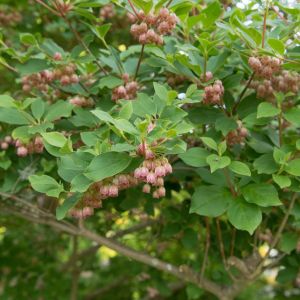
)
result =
(240, 168)
(210, 14)
(265, 164)
(46, 185)
(217, 162)
(262, 194)
(7, 101)
(13, 116)
(107, 165)
(266, 110)
(55, 139)
(226, 125)
(293, 116)
(28, 39)
(69, 203)
(58, 110)
(144, 105)
(71, 165)
(110, 82)
(209, 142)
(243, 215)
(288, 242)
(277, 45)
(145, 5)
(282, 181)
(32, 66)
(210, 201)
(293, 167)
(38, 108)
(222, 148)
(160, 91)
(195, 157)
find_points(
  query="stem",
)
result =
(230, 185)
(243, 93)
(280, 129)
(207, 245)
(169, 3)
(133, 8)
(265, 24)
(48, 7)
(80, 40)
(139, 62)
(204, 67)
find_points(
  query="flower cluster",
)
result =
(152, 28)
(107, 12)
(81, 101)
(126, 91)
(8, 140)
(152, 173)
(237, 136)
(287, 82)
(264, 66)
(34, 146)
(9, 18)
(108, 188)
(284, 82)
(213, 93)
(65, 74)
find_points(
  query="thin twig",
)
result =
(230, 185)
(169, 3)
(80, 40)
(280, 127)
(133, 8)
(243, 93)
(139, 62)
(48, 7)
(207, 245)
(265, 24)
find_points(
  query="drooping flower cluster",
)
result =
(108, 188)
(151, 28)
(36, 145)
(65, 74)
(237, 136)
(264, 66)
(274, 80)
(81, 101)
(126, 91)
(107, 11)
(9, 18)
(213, 93)
(152, 171)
